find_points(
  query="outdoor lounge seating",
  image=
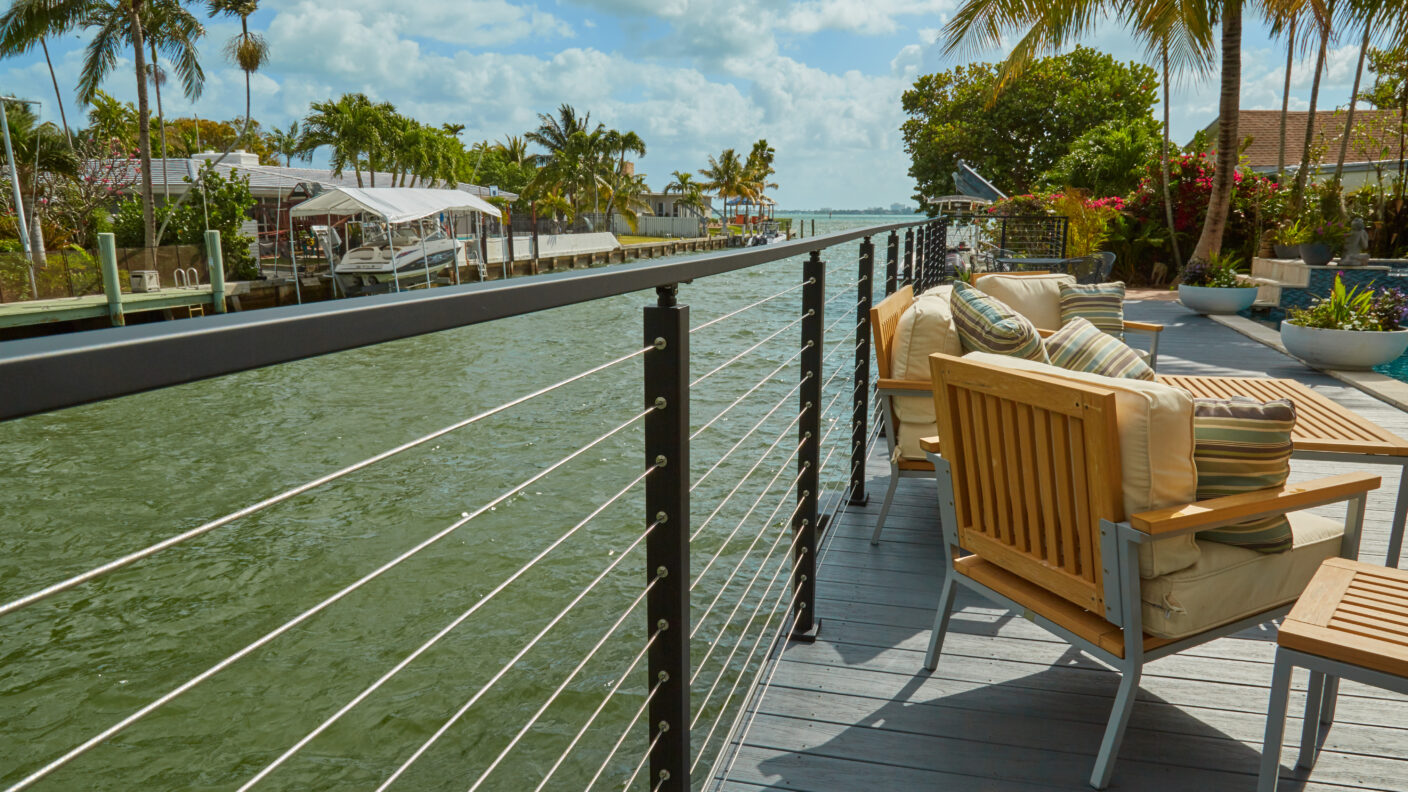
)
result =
(907, 329)
(1070, 498)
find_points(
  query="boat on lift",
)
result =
(404, 255)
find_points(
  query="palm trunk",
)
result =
(1353, 100)
(57, 96)
(144, 131)
(161, 122)
(1286, 102)
(1220, 199)
(1163, 166)
(1298, 195)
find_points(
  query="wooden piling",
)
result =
(107, 255)
(215, 262)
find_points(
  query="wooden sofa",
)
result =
(1069, 498)
(904, 397)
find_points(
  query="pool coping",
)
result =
(1380, 386)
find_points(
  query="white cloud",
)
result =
(476, 23)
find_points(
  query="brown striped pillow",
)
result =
(1102, 304)
(1080, 346)
(1241, 445)
(986, 324)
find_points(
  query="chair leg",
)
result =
(1275, 727)
(1331, 697)
(936, 639)
(1114, 731)
(1310, 729)
(885, 507)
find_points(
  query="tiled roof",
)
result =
(1375, 138)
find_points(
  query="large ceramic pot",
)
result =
(1316, 254)
(1286, 251)
(1352, 350)
(1216, 299)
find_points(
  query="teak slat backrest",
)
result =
(884, 320)
(1036, 466)
(978, 275)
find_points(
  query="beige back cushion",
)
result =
(926, 327)
(1037, 297)
(1156, 452)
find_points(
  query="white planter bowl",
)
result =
(1351, 350)
(1216, 299)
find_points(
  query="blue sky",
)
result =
(820, 79)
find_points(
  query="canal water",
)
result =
(86, 485)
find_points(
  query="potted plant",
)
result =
(1320, 240)
(1353, 329)
(1214, 288)
(1285, 241)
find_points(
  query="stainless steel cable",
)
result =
(762, 494)
(752, 652)
(786, 430)
(565, 682)
(207, 527)
(612, 753)
(644, 757)
(494, 680)
(772, 550)
(166, 698)
(715, 321)
(592, 718)
(845, 289)
(424, 647)
(750, 349)
(766, 378)
(750, 432)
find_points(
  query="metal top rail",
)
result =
(50, 373)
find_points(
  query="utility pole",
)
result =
(15, 183)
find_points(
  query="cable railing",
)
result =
(652, 678)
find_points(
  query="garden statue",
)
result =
(1356, 245)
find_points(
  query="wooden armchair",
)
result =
(1032, 510)
(884, 320)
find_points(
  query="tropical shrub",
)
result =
(1219, 272)
(222, 207)
(1354, 308)
(1108, 159)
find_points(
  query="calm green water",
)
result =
(86, 485)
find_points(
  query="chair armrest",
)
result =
(1142, 327)
(1216, 512)
(916, 387)
(930, 444)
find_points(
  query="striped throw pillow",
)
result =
(1102, 304)
(985, 324)
(1080, 346)
(1242, 445)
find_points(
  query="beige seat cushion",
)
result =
(1156, 452)
(1037, 297)
(1230, 583)
(926, 327)
(907, 436)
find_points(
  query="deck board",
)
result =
(1011, 707)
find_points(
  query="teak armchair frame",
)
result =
(1032, 514)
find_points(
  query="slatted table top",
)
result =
(1321, 424)
(1354, 613)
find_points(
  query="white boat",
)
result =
(405, 257)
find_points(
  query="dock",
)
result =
(1012, 707)
(95, 306)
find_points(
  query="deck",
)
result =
(64, 309)
(1011, 707)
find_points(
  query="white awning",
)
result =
(393, 204)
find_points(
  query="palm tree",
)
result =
(627, 197)
(555, 133)
(288, 143)
(115, 25)
(158, 76)
(682, 184)
(725, 177)
(248, 50)
(1186, 24)
(1371, 15)
(514, 149)
(350, 125)
(1323, 15)
(40, 150)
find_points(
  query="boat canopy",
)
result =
(392, 204)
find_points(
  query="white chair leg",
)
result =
(885, 507)
(936, 639)
(1275, 727)
(1114, 731)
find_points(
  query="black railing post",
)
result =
(909, 255)
(860, 425)
(667, 547)
(892, 263)
(804, 524)
(926, 275)
(942, 244)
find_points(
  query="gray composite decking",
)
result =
(1013, 708)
